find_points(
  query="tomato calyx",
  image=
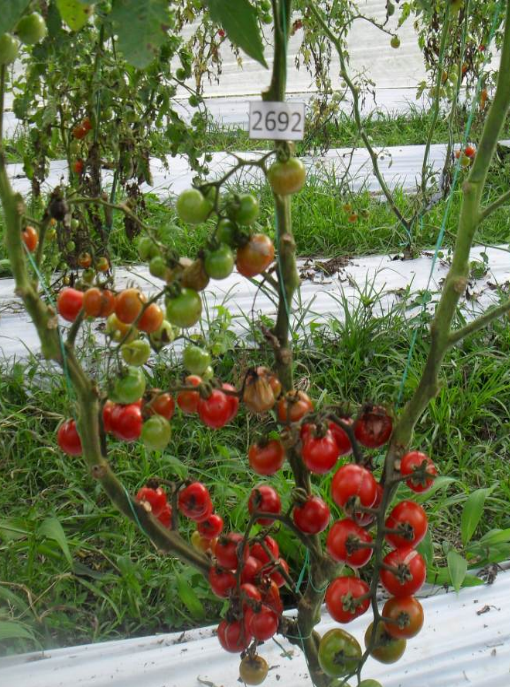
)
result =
(401, 571)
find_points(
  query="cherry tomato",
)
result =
(129, 305)
(215, 410)
(244, 209)
(69, 439)
(409, 575)
(407, 614)
(156, 433)
(226, 232)
(130, 387)
(156, 498)
(164, 335)
(251, 570)
(287, 177)
(261, 389)
(107, 416)
(78, 167)
(411, 462)
(410, 518)
(194, 502)
(262, 624)
(268, 458)
(253, 670)
(312, 516)
(339, 653)
(271, 596)
(161, 404)
(373, 428)
(250, 597)
(31, 28)
(30, 238)
(85, 260)
(184, 310)
(192, 206)
(343, 441)
(395, 42)
(354, 486)
(86, 123)
(9, 47)
(255, 256)
(293, 406)
(232, 636)
(211, 527)
(147, 248)
(344, 541)
(151, 319)
(385, 648)
(196, 359)
(120, 331)
(199, 542)
(98, 302)
(258, 551)
(232, 400)
(273, 571)
(264, 499)
(69, 303)
(166, 516)
(188, 400)
(221, 581)
(219, 263)
(136, 352)
(319, 453)
(470, 151)
(126, 421)
(227, 548)
(194, 276)
(342, 598)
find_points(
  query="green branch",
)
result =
(477, 324)
(489, 209)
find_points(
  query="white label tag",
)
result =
(277, 121)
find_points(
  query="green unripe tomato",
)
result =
(31, 29)
(194, 101)
(164, 335)
(265, 6)
(465, 161)
(158, 267)
(339, 653)
(74, 224)
(181, 74)
(208, 374)
(370, 683)
(244, 209)
(136, 353)
(70, 246)
(192, 207)
(147, 248)
(226, 232)
(196, 360)
(386, 649)
(267, 19)
(88, 275)
(130, 387)
(184, 310)
(395, 42)
(219, 263)
(287, 177)
(9, 47)
(156, 433)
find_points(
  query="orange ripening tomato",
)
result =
(254, 257)
(294, 406)
(99, 303)
(151, 319)
(129, 304)
(30, 238)
(85, 260)
(79, 132)
(78, 167)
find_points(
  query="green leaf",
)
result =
(74, 13)
(472, 512)
(13, 599)
(426, 549)
(189, 598)
(9, 629)
(441, 576)
(11, 13)
(239, 20)
(439, 483)
(496, 537)
(52, 529)
(141, 27)
(457, 569)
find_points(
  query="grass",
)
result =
(97, 578)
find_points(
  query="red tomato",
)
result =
(312, 516)
(156, 498)
(262, 624)
(411, 520)
(188, 400)
(221, 581)
(409, 575)
(271, 597)
(78, 167)
(227, 548)
(374, 427)
(232, 400)
(251, 570)
(216, 410)
(354, 486)
(30, 238)
(194, 502)
(129, 305)
(68, 438)
(69, 303)
(255, 256)
(211, 527)
(232, 636)
(151, 319)
(107, 416)
(264, 499)
(410, 463)
(249, 595)
(343, 598)
(267, 458)
(258, 551)
(166, 516)
(470, 151)
(344, 540)
(126, 421)
(319, 453)
(342, 439)
(274, 572)
(408, 615)
(293, 406)
(98, 302)
(161, 404)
